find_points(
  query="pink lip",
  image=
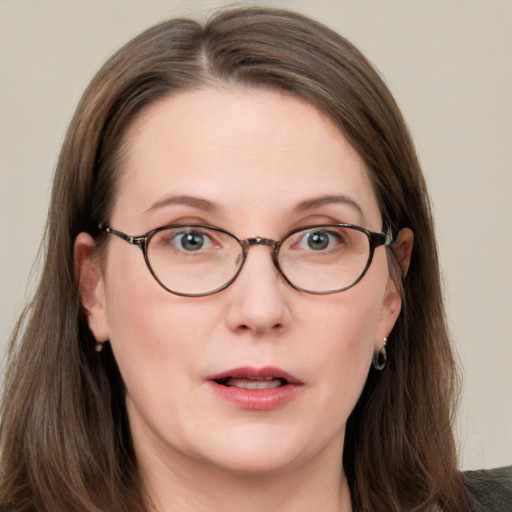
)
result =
(256, 399)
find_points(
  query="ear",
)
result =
(89, 279)
(390, 309)
(392, 303)
(402, 249)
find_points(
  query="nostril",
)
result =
(259, 330)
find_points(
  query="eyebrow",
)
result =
(317, 202)
(208, 206)
(195, 202)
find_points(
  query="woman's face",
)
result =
(256, 163)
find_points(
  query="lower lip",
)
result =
(257, 399)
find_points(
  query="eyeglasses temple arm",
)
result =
(389, 238)
(120, 234)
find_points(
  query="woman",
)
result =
(265, 345)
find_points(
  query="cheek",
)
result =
(156, 343)
(149, 327)
(342, 333)
(344, 338)
(149, 333)
(348, 322)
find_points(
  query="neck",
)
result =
(186, 485)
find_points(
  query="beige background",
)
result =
(449, 64)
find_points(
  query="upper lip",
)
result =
(251, 372)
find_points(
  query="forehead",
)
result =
(244, 150)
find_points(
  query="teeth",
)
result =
(258, 383)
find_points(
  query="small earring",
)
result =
(380, 358)
(99, 346)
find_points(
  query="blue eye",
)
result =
(191, 240)
(319, 240)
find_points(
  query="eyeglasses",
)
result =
(197, 260)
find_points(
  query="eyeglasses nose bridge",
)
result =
(268, 242)
(261, 241)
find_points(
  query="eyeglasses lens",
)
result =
(194, 260)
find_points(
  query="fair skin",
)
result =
(254, 155)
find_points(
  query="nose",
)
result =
(258, 296)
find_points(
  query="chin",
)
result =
(254, 465)
(260, 450)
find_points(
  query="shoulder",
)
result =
(491, 488)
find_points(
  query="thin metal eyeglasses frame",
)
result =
(375, 240)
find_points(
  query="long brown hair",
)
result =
(65, 439)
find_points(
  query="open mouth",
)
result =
(252, 382)
(254, 378)
(256, 388)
